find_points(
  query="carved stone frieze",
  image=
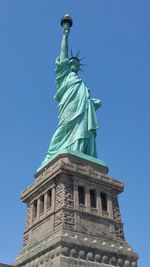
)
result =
(69, 218)
(59, 196)
(116, 210)
(27, 224)
(117, 217)
(119, 231)
(68, 194)
(28, 217)
(58, 218)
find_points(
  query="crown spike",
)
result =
(81, 58)
(71, 53)
(78, 53)
(81, 70)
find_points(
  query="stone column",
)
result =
(98, 203)
(75, 200)
(45, 203)
(53, 198)
(109, 203)
(33, 209)
(31, 214)
(87, 199)
(38, 208)
(75, 195)
(53, 205)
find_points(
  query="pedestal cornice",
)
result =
(67, 162)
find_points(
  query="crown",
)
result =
(77, 58)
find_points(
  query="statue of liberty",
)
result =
(77, 125)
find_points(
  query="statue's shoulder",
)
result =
(72, 74)
(62, 62)
(62, 66)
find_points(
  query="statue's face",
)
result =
(75, 65)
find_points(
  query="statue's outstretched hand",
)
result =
(66, 28)
(66, 32)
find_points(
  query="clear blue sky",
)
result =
(114, 37)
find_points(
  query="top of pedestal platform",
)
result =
(77, 157)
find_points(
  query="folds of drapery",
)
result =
(77, 118)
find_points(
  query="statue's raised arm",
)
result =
(66, 23)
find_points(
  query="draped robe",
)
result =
(77, 125)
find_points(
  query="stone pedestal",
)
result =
(73, 217)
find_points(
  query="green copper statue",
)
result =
(77, 125)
